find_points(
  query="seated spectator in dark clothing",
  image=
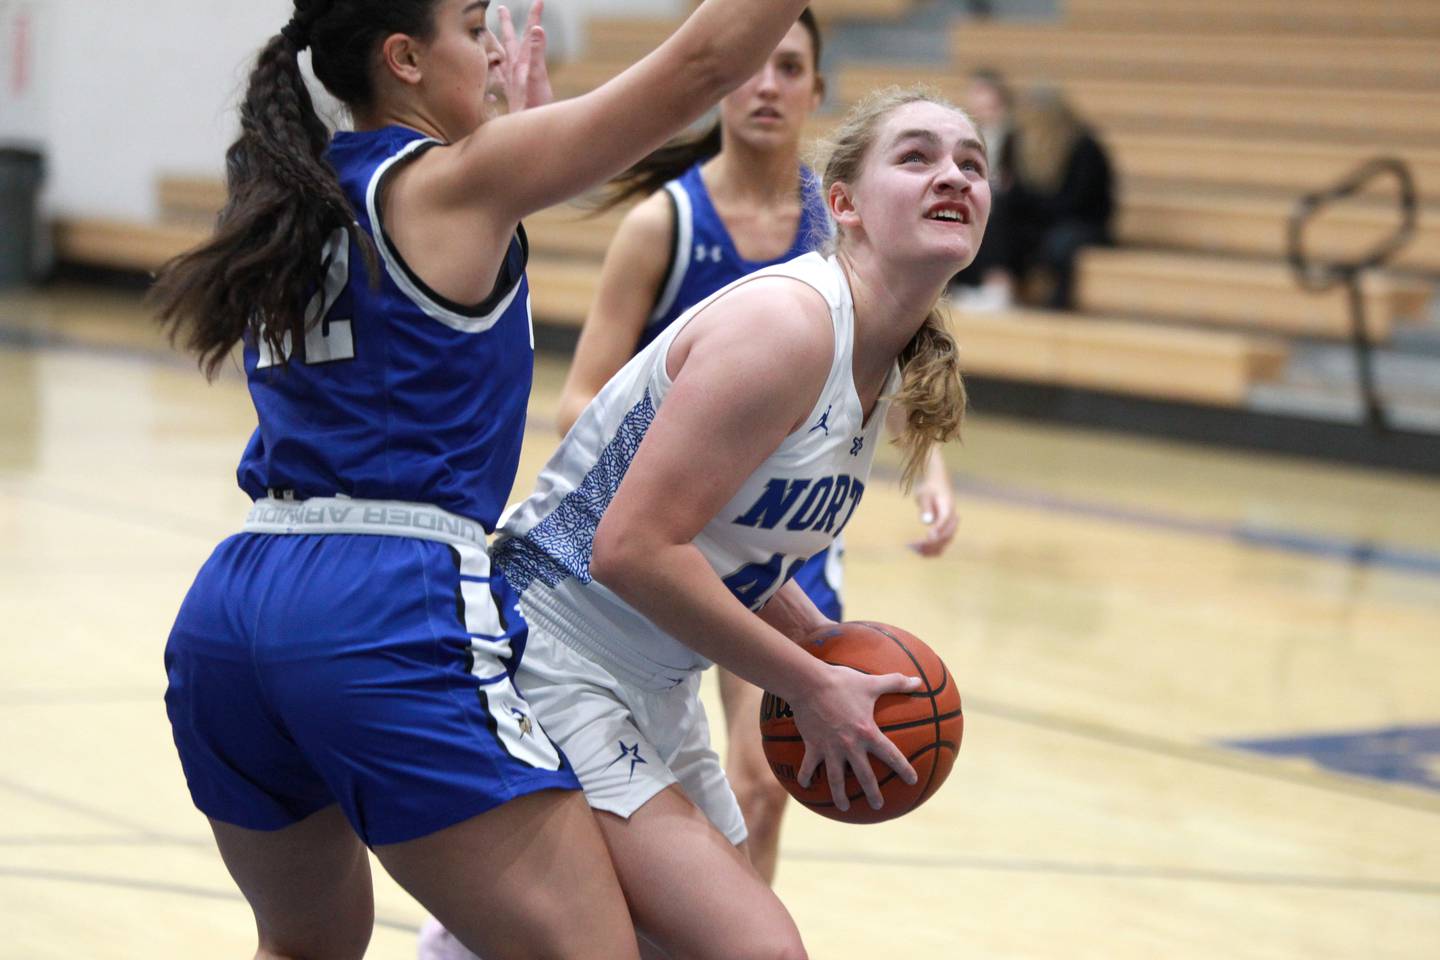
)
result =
(1062, 197)
(1052, 193)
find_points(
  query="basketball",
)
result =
(926, 725)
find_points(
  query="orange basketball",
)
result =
(926, 725)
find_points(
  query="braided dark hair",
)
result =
(254, 276)
(682, 153)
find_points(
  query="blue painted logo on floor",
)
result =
(1395, 754)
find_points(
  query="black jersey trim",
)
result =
(510, 270)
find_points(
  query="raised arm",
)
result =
(748, 375)
(517, 164)
(629, 286)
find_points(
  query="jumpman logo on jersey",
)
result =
(522, 719)
(632, 752)
(857, 446)
(823, 423)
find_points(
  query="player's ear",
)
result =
(400, 55)
(842, 205)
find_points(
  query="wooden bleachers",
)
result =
(1062, 52)
(1261, 166)
(1110, 354)
(1215, 222)
(1260, 295)
(122, 245)
(1117, 356)
(1375, 18)
(1387, 118)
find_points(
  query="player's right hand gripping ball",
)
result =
(926, 725)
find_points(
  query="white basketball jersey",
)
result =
(792, 507)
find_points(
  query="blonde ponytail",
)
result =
(931, 394)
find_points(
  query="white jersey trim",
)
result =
(417, 296)
(680, 263)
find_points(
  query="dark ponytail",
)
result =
(682, 153)
(660, 167)
(254, 276)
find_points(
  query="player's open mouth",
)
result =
(949, 213)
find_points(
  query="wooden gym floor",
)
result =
(1202, 689)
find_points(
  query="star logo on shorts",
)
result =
(632, 752)
(522, 719)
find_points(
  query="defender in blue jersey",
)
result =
(341, 671)
(717, 208)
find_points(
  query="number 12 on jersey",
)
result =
(327, 339)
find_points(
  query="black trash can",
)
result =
(21, 172)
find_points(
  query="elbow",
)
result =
(613, 559)
(716, 70)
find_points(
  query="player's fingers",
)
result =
(808, 764)
(533, 20)
(895, 683)
(865, 776)
(946, 528)
(507, 29)
(889, 754)
(835, 774)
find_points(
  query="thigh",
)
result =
(308, 884)
(692, 892)
(529, 880)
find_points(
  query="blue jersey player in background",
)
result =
(721, 206)
(340, 673)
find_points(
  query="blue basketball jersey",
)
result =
(705, 257)
(397, 393)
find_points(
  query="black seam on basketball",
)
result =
(929, 781)
(906, 725)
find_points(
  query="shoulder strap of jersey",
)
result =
(684, 235)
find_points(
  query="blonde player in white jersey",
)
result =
(717, 460)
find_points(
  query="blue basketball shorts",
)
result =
(373, 671)
(820, 579)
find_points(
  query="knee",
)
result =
(339, 944)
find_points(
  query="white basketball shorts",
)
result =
(626, 744)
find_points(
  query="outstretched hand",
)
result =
(936, 499)
(838, 726)
(526, 78)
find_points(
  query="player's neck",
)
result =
(415, 120)
(761, 178)
(890, 306)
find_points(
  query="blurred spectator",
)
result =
(1053, 194)
(1062, 195)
